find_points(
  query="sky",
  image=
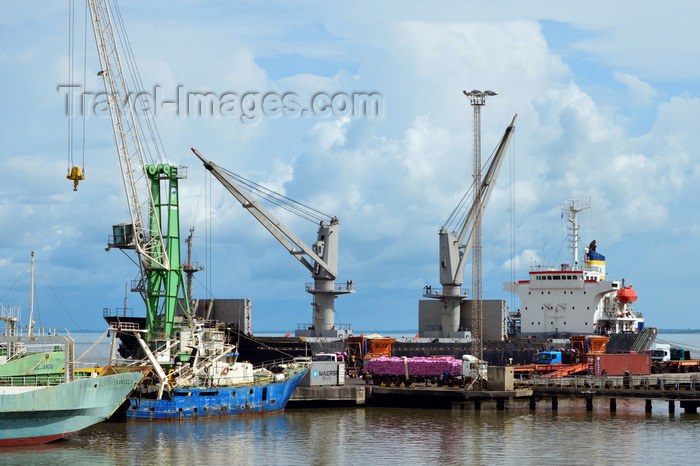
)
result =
(607, 97)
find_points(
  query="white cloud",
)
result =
(327, 134)
(392, 180)
(640, 92)
(526, 259)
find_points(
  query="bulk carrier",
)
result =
(556, 303)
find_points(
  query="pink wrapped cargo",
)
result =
(407, 370)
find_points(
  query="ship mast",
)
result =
(190, 268)
(30, 330)
(572, 207)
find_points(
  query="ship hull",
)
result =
(36, 415)
(228, 401)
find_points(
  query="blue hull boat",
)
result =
(267, 394)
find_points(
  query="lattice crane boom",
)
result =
(148, 239)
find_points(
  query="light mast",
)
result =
(477, 100)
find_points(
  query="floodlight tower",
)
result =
(477, 100)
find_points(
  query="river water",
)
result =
(362, 435)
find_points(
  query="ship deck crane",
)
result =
(455, 246)
(154, 228)
(321, 259)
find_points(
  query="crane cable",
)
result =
(512, 221)
(75, 173)
(153, 147)
(290, 205)
(459, 215)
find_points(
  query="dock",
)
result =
(672, 388)
(683, 389)
(356, 393)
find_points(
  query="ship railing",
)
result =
(36, 333)
(541, 268)
(10, 313)
(348, 287)
(118, 312)
(45, 380)
(643, 382)
(273, 363)
(21, 349)
(124, 326)
(303, 326)
(37, 380)
(429, 291)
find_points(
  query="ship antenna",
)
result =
(31, 301)
(572, 207)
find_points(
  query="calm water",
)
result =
(395, 436)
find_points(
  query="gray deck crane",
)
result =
(455, 246)
(321, 259)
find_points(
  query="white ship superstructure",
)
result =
(573, 300)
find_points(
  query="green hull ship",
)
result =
(31, 415)
(44, 393)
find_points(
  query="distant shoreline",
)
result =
(670, 330)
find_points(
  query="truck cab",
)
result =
(661, 352)
(549, 357)
(326, 357)
(680, 354)
(472, 368)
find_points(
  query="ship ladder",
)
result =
(644, 339)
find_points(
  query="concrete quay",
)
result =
(671, 388)
(356, 393)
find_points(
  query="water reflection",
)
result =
(388, 435)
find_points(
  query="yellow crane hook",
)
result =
(76, 174)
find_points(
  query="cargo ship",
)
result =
(31, 415)
(556, 303)
(577, 298)
(37, 408)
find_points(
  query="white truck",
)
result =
(661, 352)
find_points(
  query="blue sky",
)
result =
(607, 106)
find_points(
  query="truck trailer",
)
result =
(439, 371)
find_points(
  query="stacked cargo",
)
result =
(414, 367)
